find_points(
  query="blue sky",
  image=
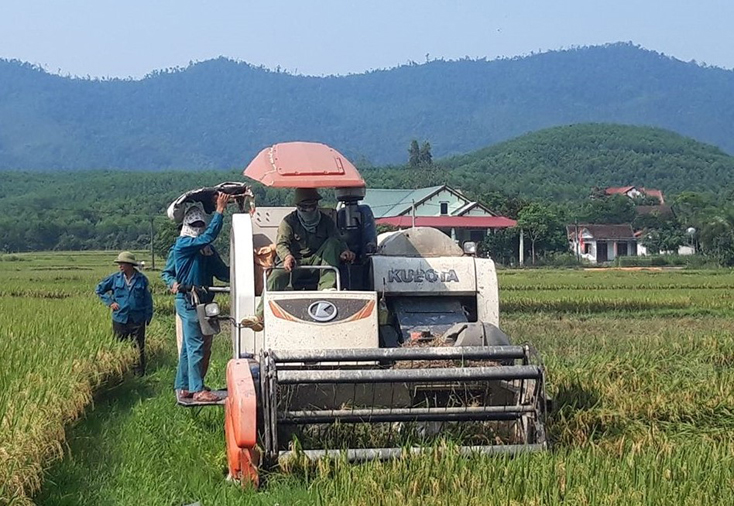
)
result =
(129, 38)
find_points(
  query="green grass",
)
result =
(631, 428)
(644, 399)
(138, 447)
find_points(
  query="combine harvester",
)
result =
(407, 351)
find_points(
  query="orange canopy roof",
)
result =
(303, 165)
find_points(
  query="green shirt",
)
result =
(294, 240)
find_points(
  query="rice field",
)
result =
(56, 347)
(640, 365)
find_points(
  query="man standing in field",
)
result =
(215, 268)
(127, 294)
(192, 273)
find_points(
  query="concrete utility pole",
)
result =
(152, 252)
(522, 247)
(412, 210)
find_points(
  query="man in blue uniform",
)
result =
(215, 268)
(128, 295)
(192, 273)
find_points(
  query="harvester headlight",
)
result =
(211, 310)
(470, 248)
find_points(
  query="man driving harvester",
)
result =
(306, 237)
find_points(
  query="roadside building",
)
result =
(441, 207)
(601, 243)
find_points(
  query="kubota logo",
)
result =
(322, 311)
(421, 275)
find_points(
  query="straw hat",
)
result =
(126, 258)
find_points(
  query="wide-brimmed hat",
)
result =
(306, 194)
(126, 257)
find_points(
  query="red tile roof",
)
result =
(658, 194)
(602, 232)
(476, 222)
(622, 190)
(618, 189)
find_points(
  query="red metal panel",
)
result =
(240, 424)
(303, 165)
(242, 399)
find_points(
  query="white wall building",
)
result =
(598, 244)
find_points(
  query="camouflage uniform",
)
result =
(321, 247)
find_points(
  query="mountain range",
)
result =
(219, 113)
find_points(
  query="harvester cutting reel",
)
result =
(368, 404)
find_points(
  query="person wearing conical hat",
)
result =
(305, 237)
(214, 267)
(127, 294)
(192, 271)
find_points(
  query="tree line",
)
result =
(546, 177)
(103, 210)
(702, 220)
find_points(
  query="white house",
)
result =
(682, 250)
(440, 207)
(634, 192)
(601, 243)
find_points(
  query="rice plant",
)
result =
(639, 367)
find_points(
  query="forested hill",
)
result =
(219, 113)
(563, 163)
(113, 209)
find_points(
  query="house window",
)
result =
(444, 208)
(587, 248)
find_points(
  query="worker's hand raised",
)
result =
(347, 256)
(174, 287)
(289, 263)
(222, 200)
(114, 306)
